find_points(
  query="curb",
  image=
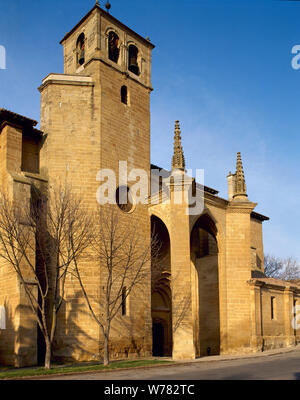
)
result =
(167, 364)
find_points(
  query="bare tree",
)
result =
(273, 266)
(124, 263)
(54, 230)
(181, 301)
(291, 269)
(282, 268)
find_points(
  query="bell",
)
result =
(81, 58)
(133, 66)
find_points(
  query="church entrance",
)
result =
(161, 298)
(158, 339)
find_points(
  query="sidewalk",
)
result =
(230, 357)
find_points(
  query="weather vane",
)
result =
(108, 6)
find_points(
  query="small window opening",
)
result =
(273, 308)
(133, 60)
(124, 94)
(124, 199)
(81, 49)
(113, 47)
(124, 301)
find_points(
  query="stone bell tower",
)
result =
(102, 99)
(93, 116)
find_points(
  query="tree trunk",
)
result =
(48, 354)
(106, 349)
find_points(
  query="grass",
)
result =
(9, 373)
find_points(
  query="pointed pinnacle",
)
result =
(240, 183)
(178, 161)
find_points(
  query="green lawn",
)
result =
(8, 373)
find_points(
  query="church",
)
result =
(212, 296)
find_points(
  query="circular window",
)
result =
(124, 199)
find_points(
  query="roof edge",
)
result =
(115, 20)
(258, 216)
(11, 117)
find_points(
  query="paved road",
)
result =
(282, 366)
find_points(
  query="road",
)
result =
(281, 366)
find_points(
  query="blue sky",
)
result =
(222, 67)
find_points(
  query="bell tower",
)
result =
(94, 115)
(100, 36)
(112, 64)
(99, 109)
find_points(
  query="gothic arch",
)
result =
(160, 215)
(206, 262)
(216, 227)
(111, 29)
(161, 297)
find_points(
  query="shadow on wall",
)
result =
(223, 342)
(128, 337)
(18, 345)
(71, 342)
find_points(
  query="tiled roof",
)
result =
(9, 116)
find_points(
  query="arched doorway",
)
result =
(161, 303)
(204, 255)
(158, 334)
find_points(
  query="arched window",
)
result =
(124, 199)
(80, 46)
(124, 95)
(133, 65)
(113, 47)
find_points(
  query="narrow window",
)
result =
(124, 95)
(273, 308)
(124, 301)
(80, 49)
(113, 47)
(133, 60)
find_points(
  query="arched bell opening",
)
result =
(204, 256)
(113, 47)
(80, 49)
(161, 298)
(133, 65)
